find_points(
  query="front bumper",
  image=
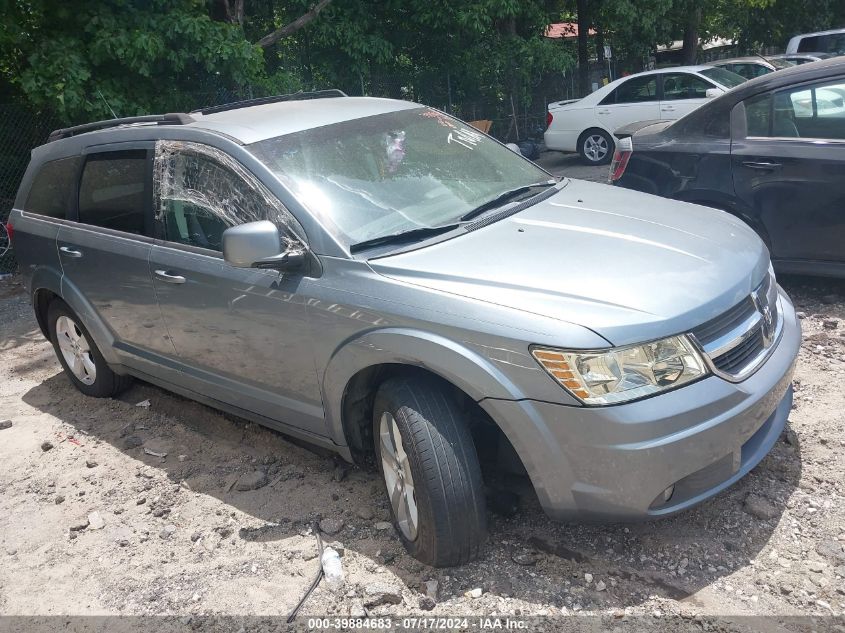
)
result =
(614, 463)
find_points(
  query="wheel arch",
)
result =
(357, 369)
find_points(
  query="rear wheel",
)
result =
(430, 468)
(596, 147)
(79, 356)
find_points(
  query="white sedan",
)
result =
(586, 125)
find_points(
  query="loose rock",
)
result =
(5, 424)
(380, 593)
(760, 507)
(132, 441)
(90, 463)
(525, 557)
(46, 446)
(383, 525)
(79, 525)
(331, 525)
(95, 521)
(251, 481)
(473, 593)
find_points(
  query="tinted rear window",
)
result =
(113, 192)
(52, 188)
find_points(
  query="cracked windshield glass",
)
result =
(395, 172)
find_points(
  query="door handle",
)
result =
(667, 109)
(761, 165)
(602, 111)
(70, 252)
(170, 277)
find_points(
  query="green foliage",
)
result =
(86, 59)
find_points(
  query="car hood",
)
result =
(630, 266)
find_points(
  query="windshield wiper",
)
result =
(504, 197)
(404, 236)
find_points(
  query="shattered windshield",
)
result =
(395, 172)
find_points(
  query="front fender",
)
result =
(469, 371)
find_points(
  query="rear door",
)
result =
(633, 100)
(104, 251)
(242, 335)
(789, 166)
(681, 94)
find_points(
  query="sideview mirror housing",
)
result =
(712, 93)
(257, 245)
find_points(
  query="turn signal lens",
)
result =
(625, 373)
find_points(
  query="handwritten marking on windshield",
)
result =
(464, 137)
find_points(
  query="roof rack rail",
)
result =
(296, 96)
(173, 118)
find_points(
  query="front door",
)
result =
(242, 335)
(790, 168)
(104, 252)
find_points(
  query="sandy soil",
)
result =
(97, 525)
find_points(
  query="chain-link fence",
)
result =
(22, 128)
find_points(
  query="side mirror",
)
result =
(257, 245)
(712, 93)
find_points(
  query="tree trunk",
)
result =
(291, 28)
(583, 54)
(690, 50)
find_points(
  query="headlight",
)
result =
(621, 374)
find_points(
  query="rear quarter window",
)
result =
(52, 188)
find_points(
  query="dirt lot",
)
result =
(91, 523)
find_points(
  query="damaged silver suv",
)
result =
(379, 278)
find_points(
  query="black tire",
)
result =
(106, 383)
(589, 157)
(446, 475)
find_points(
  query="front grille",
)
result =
(725, 322)
(734, 361)
(736, 341)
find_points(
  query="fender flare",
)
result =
(475, 375)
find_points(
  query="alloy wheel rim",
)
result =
(398, 477)
(595, 147)
(76, 350)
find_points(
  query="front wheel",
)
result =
(431, 472)
(596, 147)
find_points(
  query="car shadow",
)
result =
(527, 556)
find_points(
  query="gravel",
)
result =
(771, 544)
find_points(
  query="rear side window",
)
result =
(113, 191)
(758, 115)
(678, 86)
(634, 90)
(53, 187)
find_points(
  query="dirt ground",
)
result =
(221, 525)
